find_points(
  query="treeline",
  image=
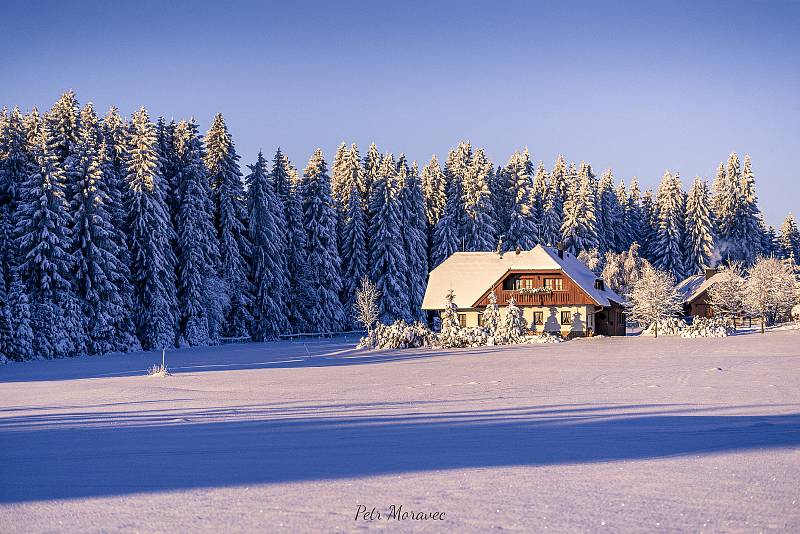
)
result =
(118, 235)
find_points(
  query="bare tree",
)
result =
(365, 307)
(654, 298)
(770, 289)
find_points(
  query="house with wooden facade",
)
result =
(694, 291)
(556, 292)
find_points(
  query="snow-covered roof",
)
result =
(471, 274)
(693, 287)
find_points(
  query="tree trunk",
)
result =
(655, 330)
(763, 320)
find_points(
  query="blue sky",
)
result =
(639, 87)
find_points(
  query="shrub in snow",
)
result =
(159, 371)
(398, 335)
(796, 312)
(473, 336)
(668, 326)
(726, 294)
(544, 337)
(709, 327)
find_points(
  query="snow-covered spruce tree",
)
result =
(100, 275)
(322, 278)
(634, 217)
(579, 229)
(353, 247)
(445, 239)
(667, 245)
(14, 169)
(372, 163)
(43, 243)
(491, 317)
(433, 188)
(649, 215)
(450, 335)
(770, 244)
(522, 229)
(21, 341)
(727, 206)
(770, 290)
(266, 223)
(539, 197)
(295, 239)
(699, 240)
(748, 216)
(415, 237)
(513, 327)
(478, 206)
(553, 215)
(388, 262)
(789, 240)
(625, 234)
(340, 178)
(201, 296)
(63, 125)
(654, 298)
(225, 177)
(115, 137)
(610, 215)
(150, 234)
(726, 294)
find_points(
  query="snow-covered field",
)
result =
(607, 434)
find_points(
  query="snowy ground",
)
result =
(616, 434)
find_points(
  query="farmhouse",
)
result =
(694, 291)
(556, 292)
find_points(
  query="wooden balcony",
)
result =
(553, 298)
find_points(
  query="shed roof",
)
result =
(695, 285)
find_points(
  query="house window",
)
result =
(598, 284)
(554, 284)
(480, 319)
(528, 283)
(462, 320)
(538, 318)
(566, 317)
(512, 282)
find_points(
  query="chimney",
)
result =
(560, 248)
(710, 271)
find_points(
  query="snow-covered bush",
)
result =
(769, 290)
(473, 336)
(159, 371)
(544, 337)
(667, 326)
(796, 313)
(398, 335)
(491, 316)
(709, 327)
(449, 335)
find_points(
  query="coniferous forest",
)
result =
(119, 235)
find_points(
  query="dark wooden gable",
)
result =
(571, 294)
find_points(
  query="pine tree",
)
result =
(491, 316)
(21, 346)
(200, 310)
(372, 163)
(451, 328)
(699, 244)
(169, 164)
(63, 126)
(539, 198)
(624, 231)
(522, 231)
(611, 216)
(444, 241)
(266, 223)
(388, 262)
(43, 242)
(150, 234)
(669, 239)
(513, 326)
(340, 179)
(222, 163)
(727, 201)
(554, 203)
(579, 230)
(789, 240)
(322, 272)
(280, 178)
(415, 238)
(433, 189)
(295, 239)
(354, 249)
(100, 274)
(14, 169)
(748, 217)
(478, 206)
